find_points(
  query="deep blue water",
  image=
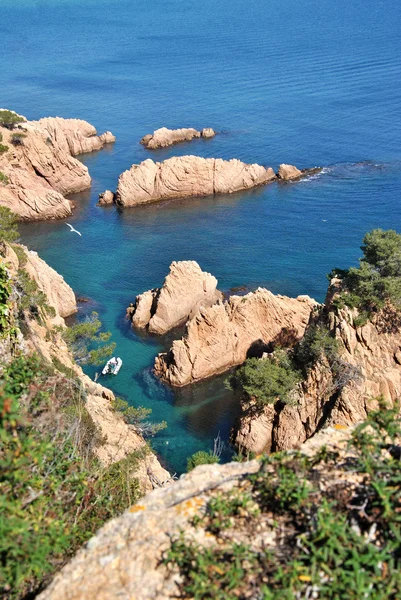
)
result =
(309, 82)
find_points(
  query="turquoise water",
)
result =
(300, 81)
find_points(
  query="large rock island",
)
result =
(225, 334)
(37, 164)
(187, 176)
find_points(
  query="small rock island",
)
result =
(163, 137)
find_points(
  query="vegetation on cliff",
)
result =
(331, 523)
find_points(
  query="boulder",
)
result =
(187, 176)
(105, 198)
(185, 290)
(74, 136)
(163, 137)
(287, 172)
(225, 334)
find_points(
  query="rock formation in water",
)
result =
(370, 367)
(287, 172)
(163, 137)
(106, 198)
(117, 438)
(225, 334)
(185, 290)
(186, 176)
(38, 166)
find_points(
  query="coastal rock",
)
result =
(225, 334)
(125, 558)
(187, 176)
(74, 136)
(287, 172)
(370, 368)
(106, 198)
(40, 169)
(163, 137)
(185, 289)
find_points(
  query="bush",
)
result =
(3, 148)
(10, 119)
(82, 336)
(267, 380)
(3, 178)
(17, 139)
(8, 225)
(138, 416)
(377, 280)
(318, 342)
(32, 299)
(201, 458)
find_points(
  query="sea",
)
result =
(305, 82)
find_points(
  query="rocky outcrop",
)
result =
(187, 176)
(163, 137)
(106, 198)
(39, 167)
(118, 439)
(125, 558)
(287, 172)
(370, 367)
(225, 334)
(185, 289)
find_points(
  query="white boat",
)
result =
(112, 366)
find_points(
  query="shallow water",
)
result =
(304, 82)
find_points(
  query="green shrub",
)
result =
(4, 179)
(377, 280)
(32, 299)
(318, 342)
(201, 458)
(81, 338)
(138, 416)
(17, 139)
(267, 380)
(10, 119)
(8, 225)
(3, 148)
(21, 255)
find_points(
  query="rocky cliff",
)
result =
(225, 334)
(187, 176)
(118, 439)
(39, 169)
(185, 289)
(368, 366)
(163, 137)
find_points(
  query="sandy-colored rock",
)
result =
(163, 137)
(185, 290)
(287, 172)
(41, 168)
(105, 198)
(369, 356)
(58, 292)
(225, 334)
(187, 176)
(74, 136)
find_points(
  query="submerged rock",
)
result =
(163, 137)
(185, 289)
(39, 167)
(187, 176)
(225, 334)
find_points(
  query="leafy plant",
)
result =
(138, 416)
(201, 458)
(3, 148)
(8, 225)
(32, 299)
(10, 119)
(81, 338)
(17, 139)
(3, 177)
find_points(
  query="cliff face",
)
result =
(224, 335)
(185, 289)
(187, 176)
(40, 167)
(118, 439)
(371, 367)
